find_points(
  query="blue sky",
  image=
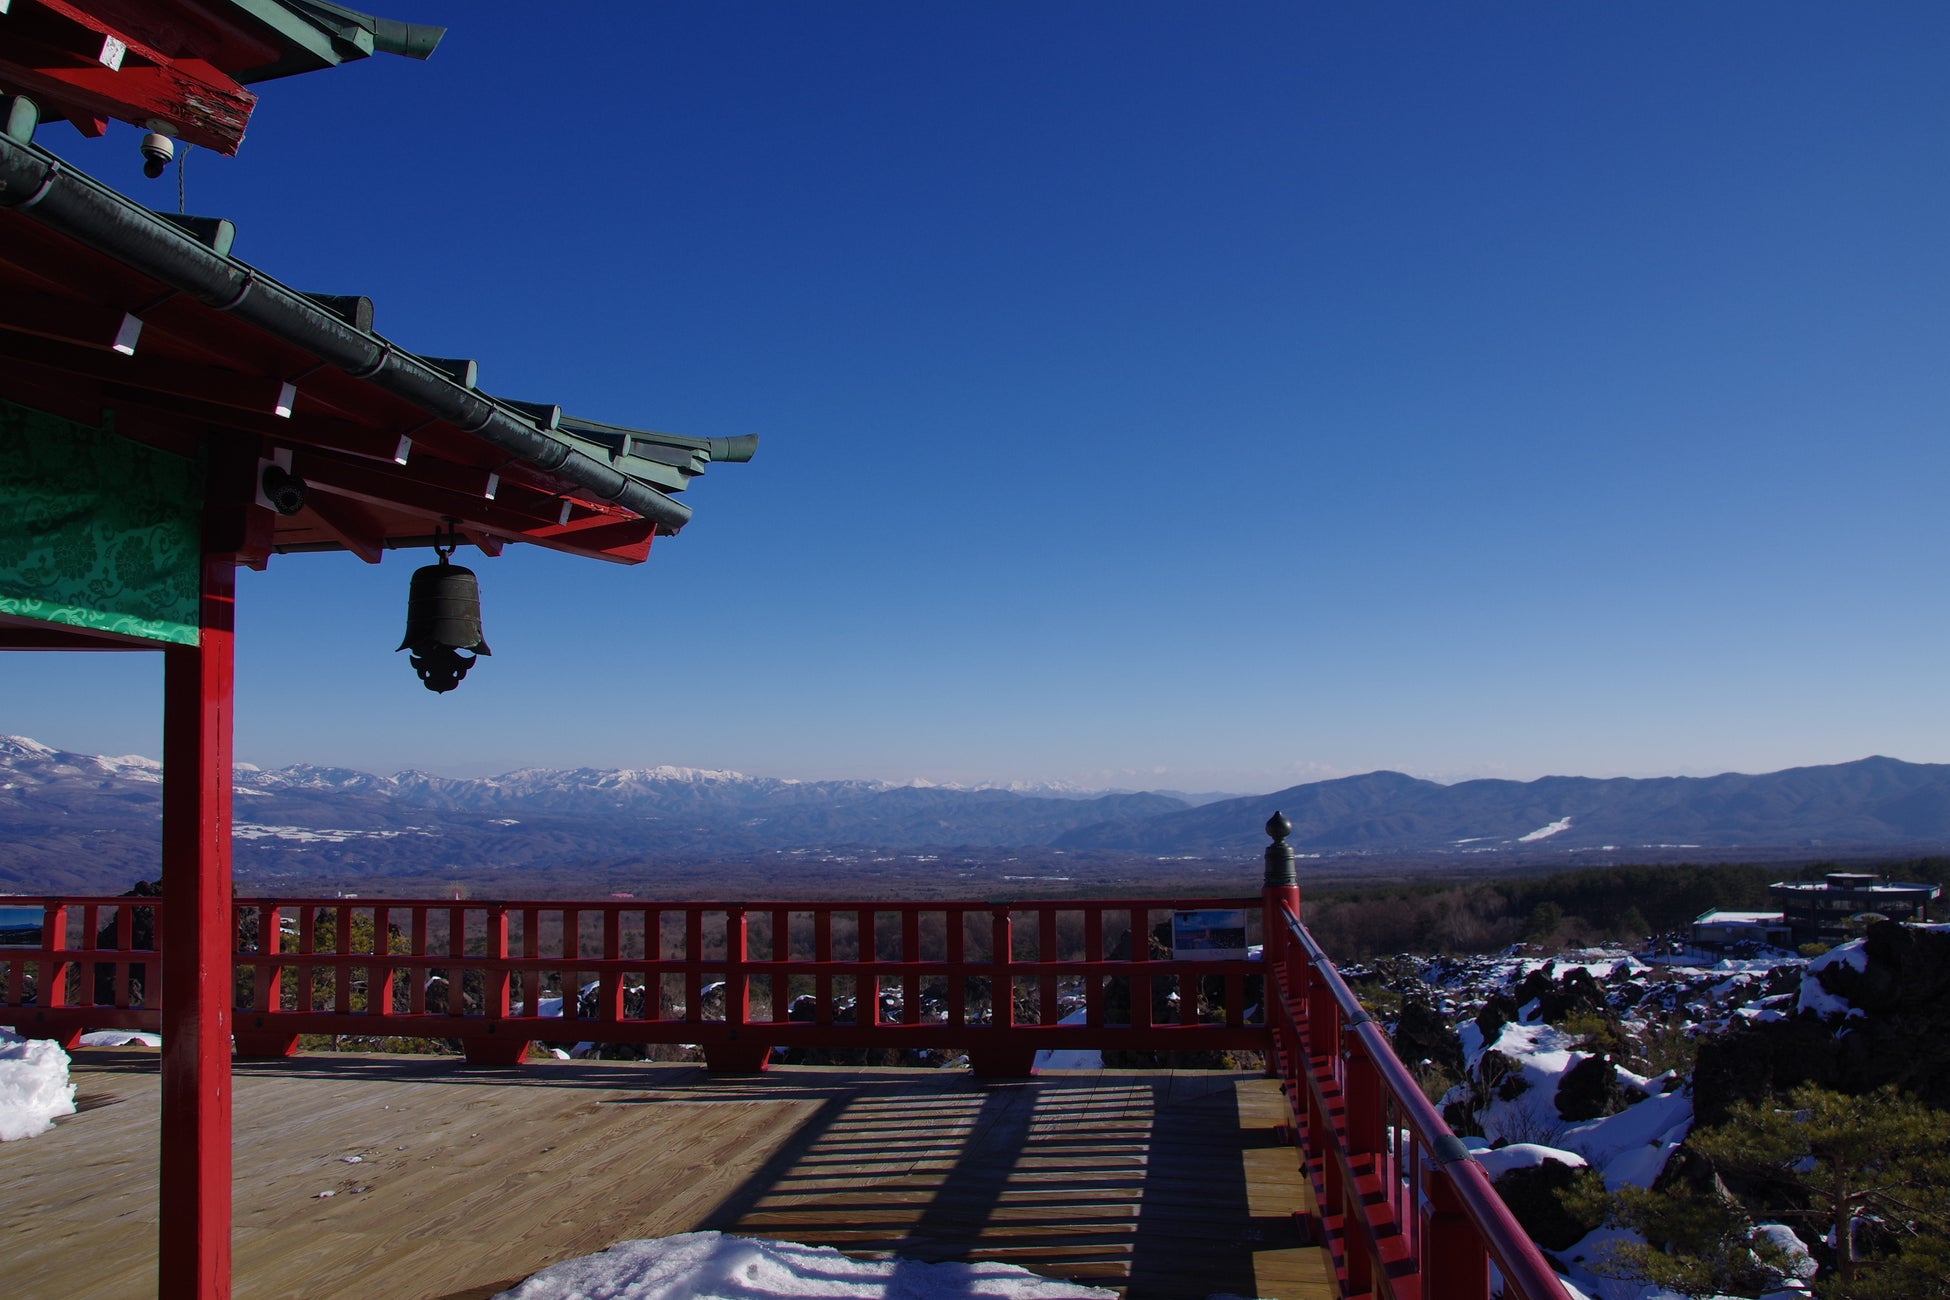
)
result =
(1207, 397)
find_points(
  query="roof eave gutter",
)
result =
(82, 208)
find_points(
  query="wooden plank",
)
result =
(1160, 1184)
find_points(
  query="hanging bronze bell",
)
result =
(443, 618)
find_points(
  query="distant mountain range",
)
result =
(72, 821)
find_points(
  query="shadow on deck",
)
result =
(1163, 1184)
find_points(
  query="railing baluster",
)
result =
(1048, 1011)
(695, 963)
(1093, 956)
(778, 982)
(1002, 984)
(911, 958)
(866, 987)
(823, 965)
(52, 989)
(307, 945)
(956, 922)
(1141, 989)
(495, 975)
(737, 986)
(456, 954)
(609, 980)
(342, 969)
(379, 975)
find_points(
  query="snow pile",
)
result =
(1817, 999)
(712, 1266)
(34, 1086)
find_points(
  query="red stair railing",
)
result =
(1404, 1210)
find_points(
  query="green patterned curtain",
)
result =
(96, 531)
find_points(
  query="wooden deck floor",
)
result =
(1164, 1184)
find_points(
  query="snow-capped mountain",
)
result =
(62, 813)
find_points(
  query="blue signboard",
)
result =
(1209, 934)
(20, 927)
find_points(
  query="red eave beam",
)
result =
(201, 104)
(624, 540)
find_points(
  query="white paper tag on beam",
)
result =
(126, 336)
(111, 55)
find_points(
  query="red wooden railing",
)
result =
(998, 980)
(1406, 1213)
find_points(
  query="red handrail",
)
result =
(1408, 1214)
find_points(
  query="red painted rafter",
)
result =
(187, 389)
(487, 543)
(145, 371)
(45, 261)
(178, 29)
(401, 491)
(181, 391)
(62, 319)
(349, 523)
(120, 30)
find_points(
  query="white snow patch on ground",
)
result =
(120, 1038)
(712, 1266)
(312, 835)
(1070, 1058)
(34, 1086)
(1545, 832)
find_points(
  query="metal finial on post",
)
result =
(1279, 854)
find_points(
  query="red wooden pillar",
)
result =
(194, 1254)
